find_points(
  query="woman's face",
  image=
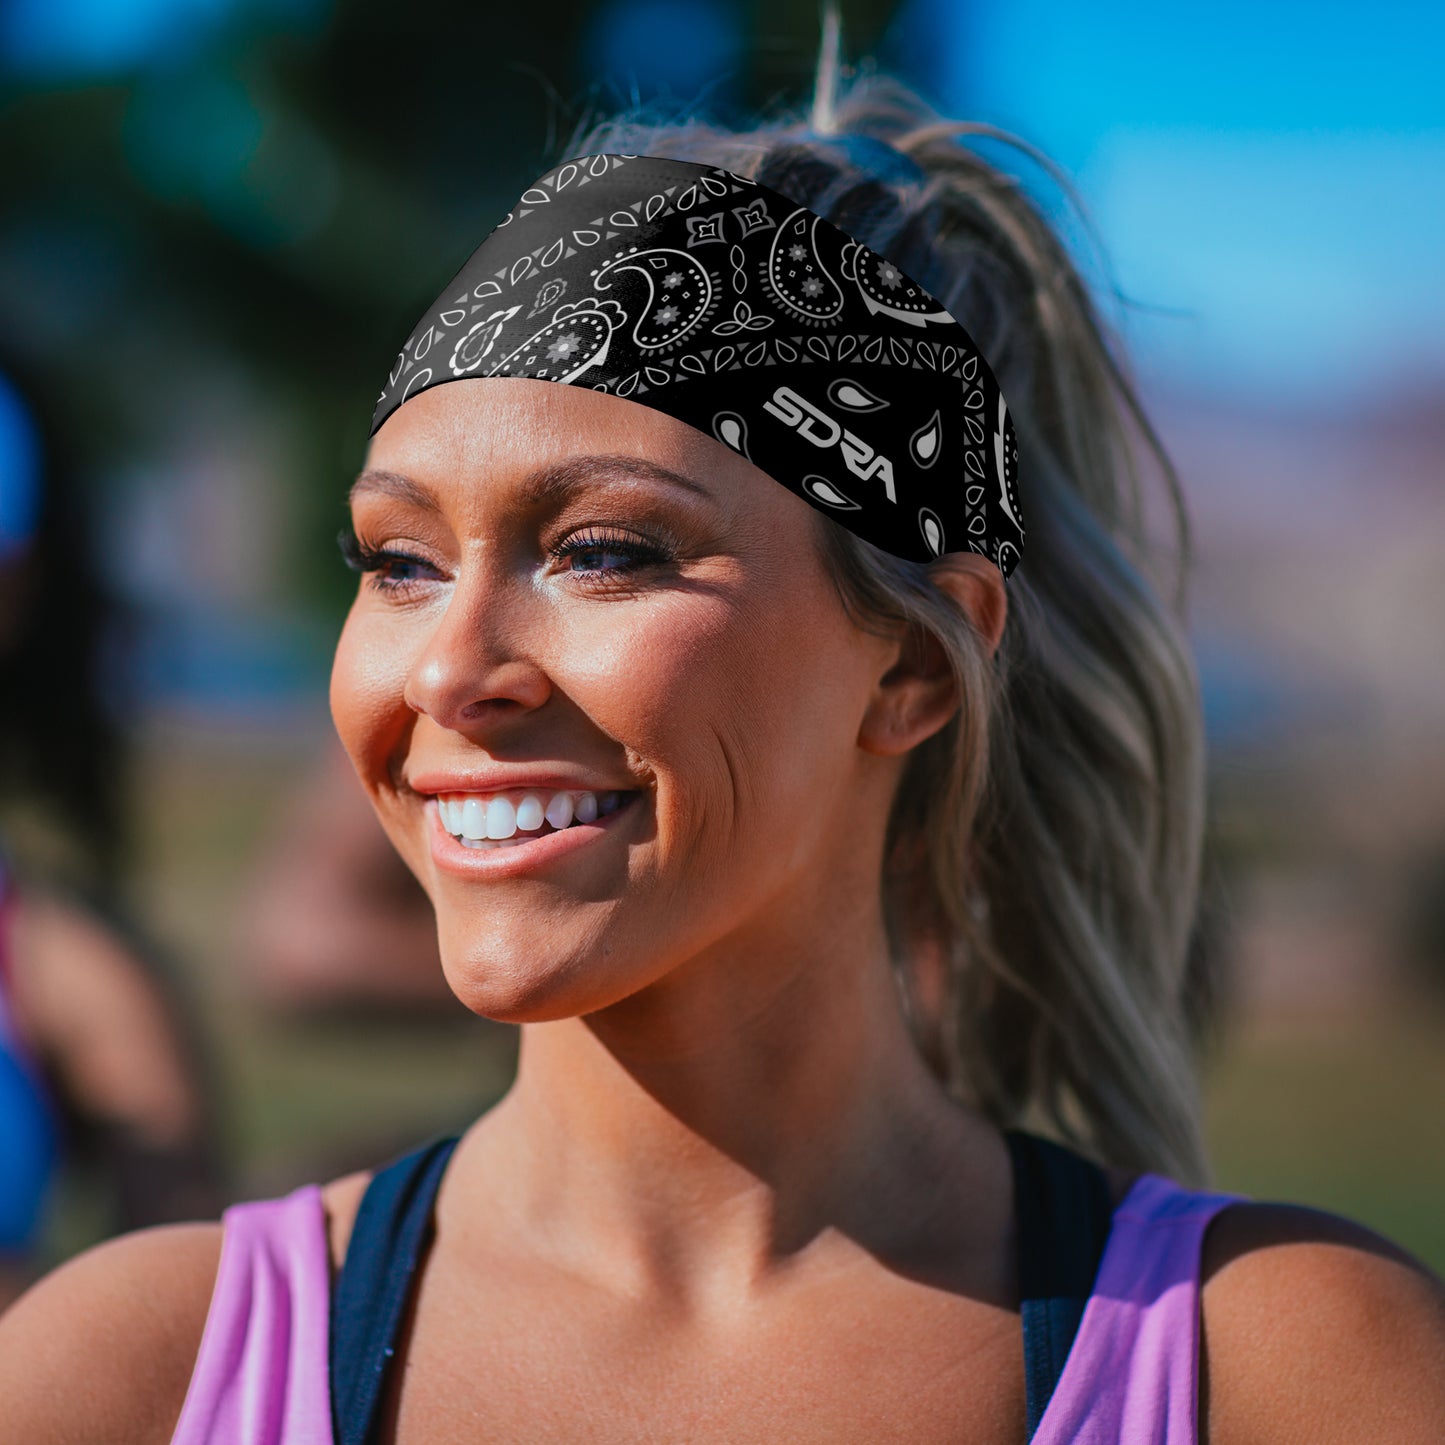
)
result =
(552, 613)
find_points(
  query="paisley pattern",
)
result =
(796, 274)
(886, 291)
(727, 305)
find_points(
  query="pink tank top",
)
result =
(1132, 1376)
(260, 1376)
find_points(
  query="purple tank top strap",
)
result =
(260, 1376)
(1133, 1372)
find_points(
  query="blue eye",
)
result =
(392, 561)
(395, 572)
(361, 558)
(591, 544)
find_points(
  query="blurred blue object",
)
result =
(1268, 180)
(29, 1128)
(27, 1152)
(663, 44)
(19, 471)
(211, 659)
(57, 38)
(1068, 74)
(99, 36)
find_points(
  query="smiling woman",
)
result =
(828, 871)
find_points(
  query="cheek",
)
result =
(733, 705)
(663, 683)
(368, 678)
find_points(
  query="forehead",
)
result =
(508, 430)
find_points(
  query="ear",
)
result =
(916, 696)
(977, 586)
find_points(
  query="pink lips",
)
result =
(500, 780)
(452, 856)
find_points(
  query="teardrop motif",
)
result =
(853, 395)
(923, 444)
(732, 430)
(825, 491)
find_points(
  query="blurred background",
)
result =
(219, 218)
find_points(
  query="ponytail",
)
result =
(1045, 845)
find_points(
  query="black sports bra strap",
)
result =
(1063, 1209)
(1062, 1206)
(393, 1223)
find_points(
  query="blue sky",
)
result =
(1275, 170)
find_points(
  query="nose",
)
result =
(475, 665)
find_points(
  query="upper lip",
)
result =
(498, 780)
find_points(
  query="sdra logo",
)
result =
(823, 431)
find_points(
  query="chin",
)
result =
(521, 992)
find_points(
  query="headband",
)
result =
(718, 300)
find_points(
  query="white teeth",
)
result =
(493, 820)
(501, 818)
(474, 818)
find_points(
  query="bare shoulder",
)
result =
(1316, 1328)
(341, 1198)
(102, 1348)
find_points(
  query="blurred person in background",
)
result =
(745, 1186)
(100, 1069)
(331, 917)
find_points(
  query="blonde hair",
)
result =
(1045, 846)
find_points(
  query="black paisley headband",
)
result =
(721, 302)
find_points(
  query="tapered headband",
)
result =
(725, 304)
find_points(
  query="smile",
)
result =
(494, 820)
(528, 831)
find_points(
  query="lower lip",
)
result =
(452, 855)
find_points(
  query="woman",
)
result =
(747, 1186)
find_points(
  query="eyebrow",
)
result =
(553, 483)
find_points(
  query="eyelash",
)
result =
(363, 559)
(643, 554)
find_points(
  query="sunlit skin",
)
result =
(716, 1085)
(724, 1200)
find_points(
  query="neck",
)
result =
(757, 1106)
